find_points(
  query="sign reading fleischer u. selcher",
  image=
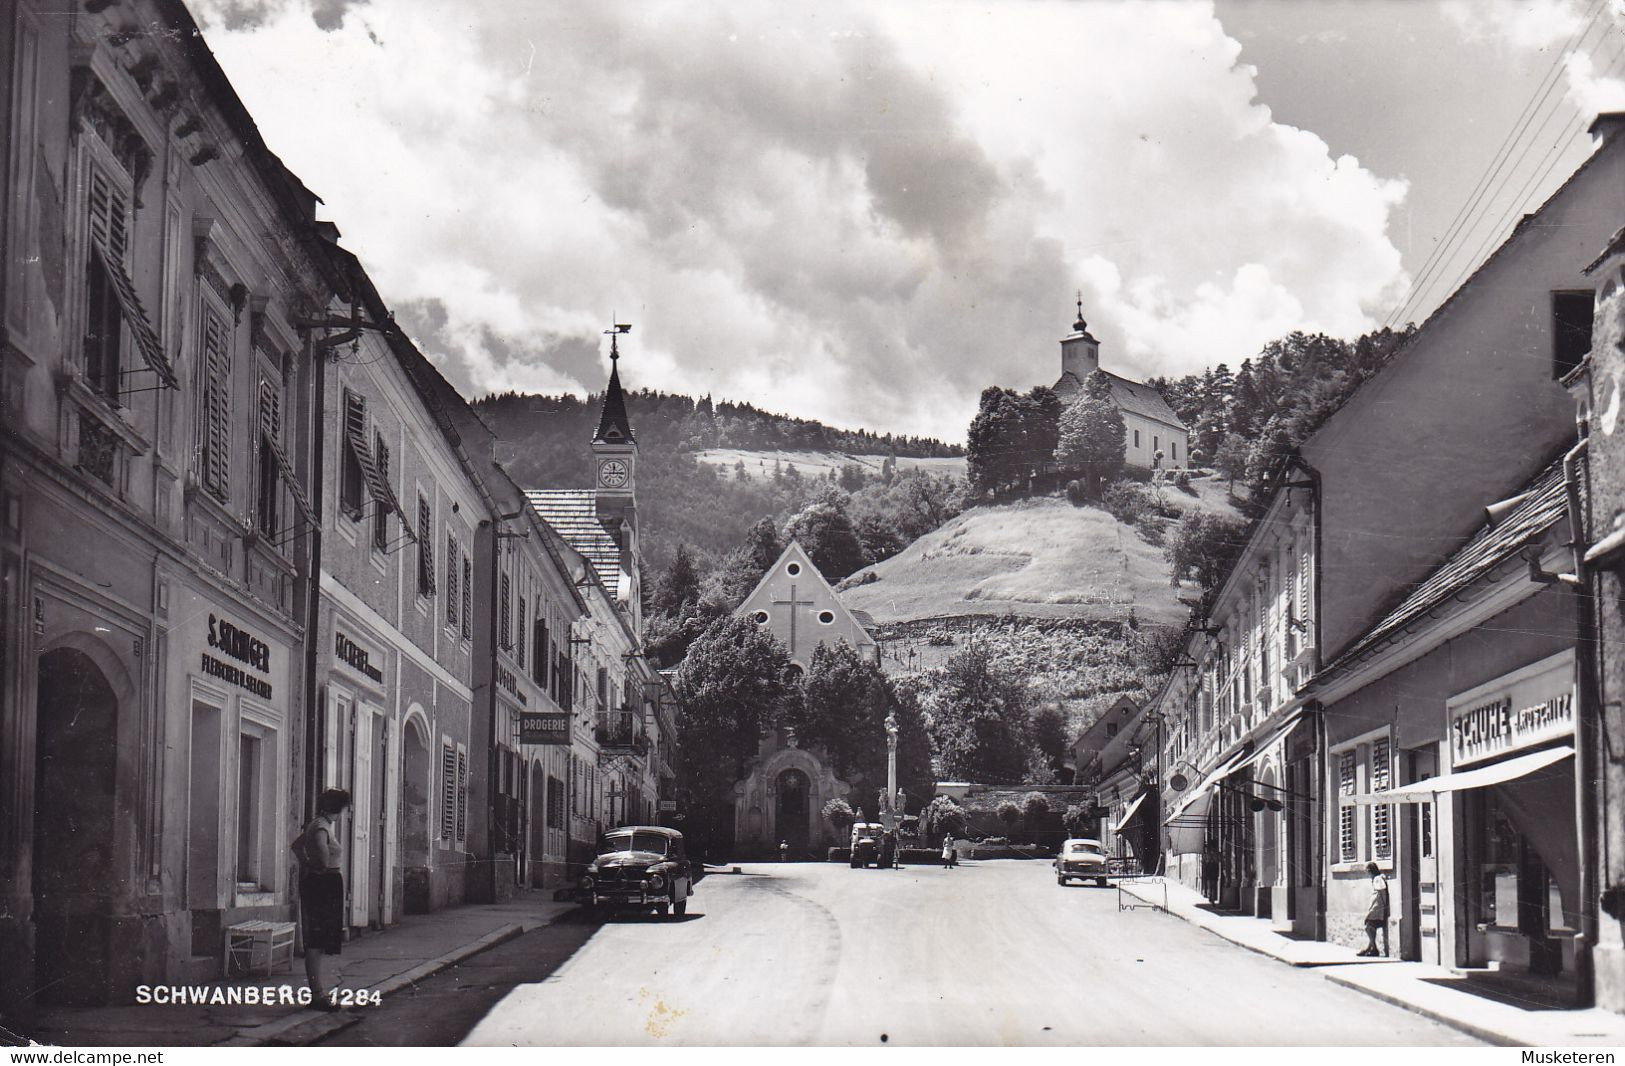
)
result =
(237, 643)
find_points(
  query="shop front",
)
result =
(361, 742)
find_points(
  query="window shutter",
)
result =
(425, 548)
(448, 790)
(452, 600)
(216, 458)
(468, 599)
(380, 517)
(1348, 844)
(462, 795)
(1381, 817)
(505, 621)
(107, 212)
(519, 645)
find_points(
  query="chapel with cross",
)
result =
(796, 604)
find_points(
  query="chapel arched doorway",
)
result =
(75, 770)
(792, 810)
(415, 818)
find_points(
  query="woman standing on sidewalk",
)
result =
(321, 891)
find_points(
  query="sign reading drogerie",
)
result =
(544, 728)
(1524, 709)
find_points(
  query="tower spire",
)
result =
(1080, 325)
(613, 425)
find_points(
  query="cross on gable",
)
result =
(792, 603)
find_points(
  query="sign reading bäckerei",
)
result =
(544, 727)
(1519, 710)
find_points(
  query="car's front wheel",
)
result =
(1060, 880)
(1100, 882)
(679, 907)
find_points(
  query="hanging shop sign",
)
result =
(1524, 709)
(234, 642)
(545, 727)
(355, 656)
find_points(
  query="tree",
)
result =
(840, 815)
(1035, 811)
(825, 530)
(762, 545)
(1037, 430)
(878, 538)
(845, 701)
(733, 686)
(1078, 821)
(1204, 546)
(942, 815)
(1092, 436)
(1231, 458)
(679, 585)
(979, 719)
(988, 451)
(1010, 814)
(1049, 736)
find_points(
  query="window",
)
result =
(794, 569)
(555, 803)
(519, 645)
(425, 547)
(1365, 831)
(1173, 450)
(1382, 844)
(539, 654)
(504, 615)
(270, 429)
(602, 691)
(573, 789)
(1571, 329)
(462, 794)
(380, 514)
(468, 598)
(1136, 438)
(1156, 443)
(452, 600)
(215, 417)
(448, 790)
(1347, 812)
(1111, 729)
(352, 491)
(249, 770)
(107, 210)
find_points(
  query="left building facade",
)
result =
(155, 521)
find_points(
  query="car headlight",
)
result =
(586, 883)
(656, 880)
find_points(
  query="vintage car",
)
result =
(1081, 859)
(866, 843)
(639, 866)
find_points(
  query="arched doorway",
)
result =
(75, 768)
(791, 812)
(415, 818)
(1269, 836)
(538, 825)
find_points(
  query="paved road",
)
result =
(993, 953)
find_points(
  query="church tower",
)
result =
(1080, 352)
(615, 458)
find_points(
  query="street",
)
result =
(990, 953)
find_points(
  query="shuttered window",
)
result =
(1347, 813)
(215, 451)
(1382, 845)
(468, 599)
(519, 645)
(106, 212)
(381, 514)
(539, 654)
(270, 435)
(448, 791)
(462, 795)
(504, 616)
(352, 487)
(425, 547)
(453, 600)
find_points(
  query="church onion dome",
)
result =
(613, 426)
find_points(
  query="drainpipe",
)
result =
(1586, 708)
(314, 710)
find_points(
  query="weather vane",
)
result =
(614, 333)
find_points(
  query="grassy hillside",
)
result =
(1040, 558)
(818, 464)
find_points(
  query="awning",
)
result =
(1207, 782)
(1128, 815)
(1493, 774)
(135, 316)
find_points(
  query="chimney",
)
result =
(1607, 125)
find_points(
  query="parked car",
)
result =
(1081, 859)
(639, 866)
(866, 843)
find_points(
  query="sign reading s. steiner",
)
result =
(243, 646)
(544, 728)
(1522, 709)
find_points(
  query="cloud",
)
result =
(1543, 26)
(863, 213)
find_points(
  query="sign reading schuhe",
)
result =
(237, 643)
(1522, 709)
(544, 728)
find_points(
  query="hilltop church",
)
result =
(782, 796)
(1152, 425)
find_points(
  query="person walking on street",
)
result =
(784, 851)
(1376, 915)
(948, 856)
(321, 893)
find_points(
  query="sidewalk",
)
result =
(388, 961)
(1431, 991)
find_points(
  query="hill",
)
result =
(1041, 558)
(820, 464)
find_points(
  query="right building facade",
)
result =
(1402, 666)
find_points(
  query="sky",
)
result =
(867, 212)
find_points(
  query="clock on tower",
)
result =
(613, 473)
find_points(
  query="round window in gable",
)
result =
(761, 618)
(827, 617)
(793, 569)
